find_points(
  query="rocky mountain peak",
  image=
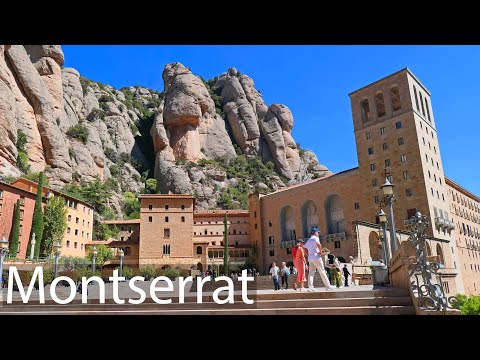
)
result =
(216, 139)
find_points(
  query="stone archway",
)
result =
(309, 217)
(375, 248)
(199, 267)
(287, 221)
(334, 214)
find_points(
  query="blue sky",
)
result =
(314, 82)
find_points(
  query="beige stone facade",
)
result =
(79, 218)
(195, 238)
(396, 137)
(465, 213)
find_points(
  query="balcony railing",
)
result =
(336, 236)
(444, 223)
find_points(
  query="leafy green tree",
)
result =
(104, 253)
(468, 305)
(79, 132)
(132, 205)
(55, 223)
(15, 234)
(37, 222)
(94, 192)
(151, 186)
(103, 231)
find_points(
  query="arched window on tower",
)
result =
(421, 102)
(416, 97)
(395, 98)
(380, 103)
(365, 111)
(199, 250)
(428, 111)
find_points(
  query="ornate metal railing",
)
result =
(430, 295)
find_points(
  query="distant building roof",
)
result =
(220, 212)
(461, 189)
(46, 189)
(121, 222)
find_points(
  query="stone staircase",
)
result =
(354, 300)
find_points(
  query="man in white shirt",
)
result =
(315, 260)
(274, 270)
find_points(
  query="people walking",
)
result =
(345, 273)
(285, 271)
(315, 260)
(274, 270)
(300, 264)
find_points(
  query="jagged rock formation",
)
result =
(77, 129)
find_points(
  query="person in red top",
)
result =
(300, 263)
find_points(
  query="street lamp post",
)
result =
(389, 199)
(94, 252)
(3, 252)
(383, 221)
(57, 247)
(32, 247)
(120, 252)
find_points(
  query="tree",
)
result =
(103, 231)
(15, 234)
(151, 186)
(132, 205)
(55, 223)
(37, 222)
(225, 244)
(104, 253)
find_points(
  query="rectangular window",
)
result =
(121, 238)
(166, 207)
(166, 233)
(408, 192)
(69, 217)
(369, 135)
(403, 158)
(432, 191)
(337, 244)
(372, 167)
(370, 151)
(438, 167)
(68, 230)
(83, 222)
(1, 207)
(75, 243)
(272, 253)
(166, 249)
(150, 219)
(383, 131)
(385, 146)
(401, 141)
(76, 232)
(398, 125)
(83, 234)
(357, 206)
(166, 218)
(183, 207)
(77, 220)
(405, 175)
(122, 228)
(254, 214)
(426, 157)
(22, 212)
(376, 199)
(271, 240)
(81, 246)
(88, 236)
(388, 162)
(150, 207)
(21, 228)
(1, 194)
(256, 226)
(374, 182)
(183, 218)
(130, 229)
(68, 243)
(434, 149)
(88, 224)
